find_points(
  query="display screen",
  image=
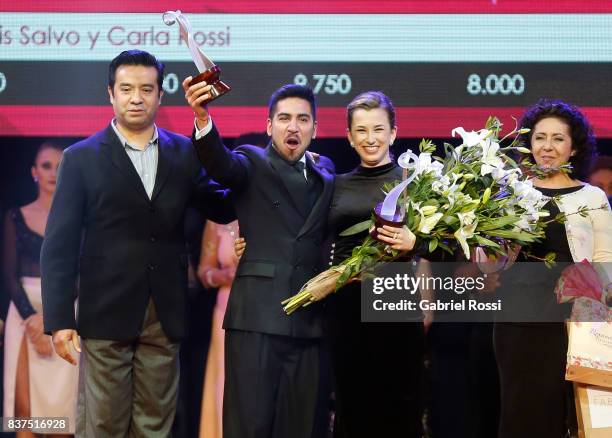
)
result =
(443, 63)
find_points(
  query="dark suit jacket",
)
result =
(283, 243)
(113, 248)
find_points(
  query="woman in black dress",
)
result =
(37, 382)
(531, 356)
(376, 366)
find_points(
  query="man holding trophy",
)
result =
(281, 196)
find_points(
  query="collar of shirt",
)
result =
(124, 142)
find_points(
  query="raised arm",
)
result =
(228, 168)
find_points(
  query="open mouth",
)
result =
(371, 149)
(293, 143)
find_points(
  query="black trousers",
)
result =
(534, 393)
(377, 371)
(272, 387)
(464, 400)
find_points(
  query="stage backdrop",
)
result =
(444, 63)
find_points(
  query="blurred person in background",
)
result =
(216, 270)
(601, 174)
(28, 356)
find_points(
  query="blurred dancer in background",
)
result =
(29, 360)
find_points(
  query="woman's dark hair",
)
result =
(583, 139)
(46, 145)
(371, 100)
(135, 57)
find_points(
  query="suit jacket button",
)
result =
(152, 239)
(151, 267)
(276, 204)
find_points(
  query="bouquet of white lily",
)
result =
(476, 197)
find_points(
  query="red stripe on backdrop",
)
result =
(82, 121)
(314, 6)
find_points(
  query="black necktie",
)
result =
(299, 186)
(299, 166)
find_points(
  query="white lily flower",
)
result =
(468, 226)
(527, 196)
(490, 158)
(420, 164)
(520, 188)
(505, 176)
(472, 138)
(427, 223)
(440, 185)
(428, 210)
(522, 225)
(429, 217)
(467, 218)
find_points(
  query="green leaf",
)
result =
(357, 228)
(445, 247)
(486, 242)
(494, 224)
(427, 146)
(493, 123)
(514, 235)
(344, 277)
(433, 244)
(370, 250)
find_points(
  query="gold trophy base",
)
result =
(212, 77)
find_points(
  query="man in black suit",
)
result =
(281, 198)
(114, 242)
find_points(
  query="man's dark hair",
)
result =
(135, 57)
(292, 90)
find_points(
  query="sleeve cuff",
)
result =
(199, 133)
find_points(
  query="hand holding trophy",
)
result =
(209, 72)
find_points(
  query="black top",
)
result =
(355, 195)
(556, 236)
(21, 259)
(531, 295)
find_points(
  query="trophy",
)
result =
(209, 72)
(394, 219)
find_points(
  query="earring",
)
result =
(352, 144)
(391, 144)
(35, 179)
